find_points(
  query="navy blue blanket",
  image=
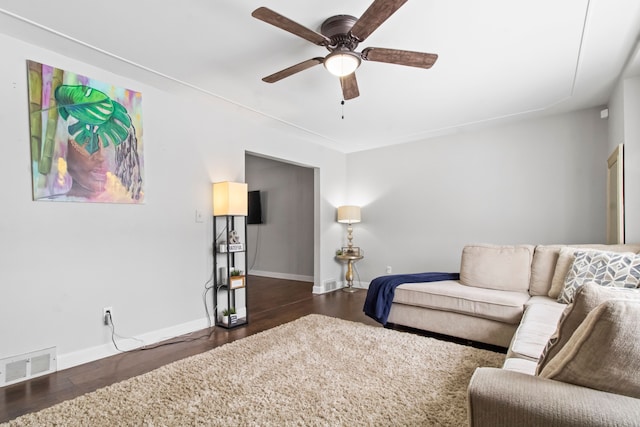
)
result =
(381, 291)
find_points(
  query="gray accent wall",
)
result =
(282, 246)
(536, 181)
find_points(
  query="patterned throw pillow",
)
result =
(620, 270)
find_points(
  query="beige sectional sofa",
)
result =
(503, 298)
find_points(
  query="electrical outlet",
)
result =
(388, 269)
(107, 312)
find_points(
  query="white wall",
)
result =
(282, 246)
(60, 263)
(538, 181)
(616, 118)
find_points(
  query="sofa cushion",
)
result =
(450, 295)
(563, 265)
(603, 268)
(543, 265)
(505, 268)
(545, 300)
(604, 352)
(586, 299)
(538, 324)
(524, 366)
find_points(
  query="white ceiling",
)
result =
(498, 59)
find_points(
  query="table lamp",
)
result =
(349, 215)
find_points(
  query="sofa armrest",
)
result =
(498, 397)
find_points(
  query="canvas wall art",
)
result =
(86, 138)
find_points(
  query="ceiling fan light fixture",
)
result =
(342, 63)
(341, 35)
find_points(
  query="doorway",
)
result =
(281, 246)
(615, 196)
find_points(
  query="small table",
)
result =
(350, 259)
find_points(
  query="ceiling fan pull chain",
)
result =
(342, 103)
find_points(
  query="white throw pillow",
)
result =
(602, 268)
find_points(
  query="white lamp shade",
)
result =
(341, 63)
(230, 198)
(349, 214)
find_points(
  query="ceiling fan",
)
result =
(341, 35)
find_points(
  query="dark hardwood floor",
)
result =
(271, 302)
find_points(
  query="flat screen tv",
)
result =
(255, 208)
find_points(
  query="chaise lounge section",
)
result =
(484, 305)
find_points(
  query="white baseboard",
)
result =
(91, 354)
(325, 288)
(357, 285)
(286, 276)
(69, 360)
(361, 285)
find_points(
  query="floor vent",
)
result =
(26, 366)
(330, 285)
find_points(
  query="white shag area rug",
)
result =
(316, 371)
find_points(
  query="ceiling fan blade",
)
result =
(349, 86)
(373, 17)
(400, 57)
(274, 18)
(292, 70)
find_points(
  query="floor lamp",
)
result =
(349, 215)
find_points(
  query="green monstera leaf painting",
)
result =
(99, 117)
(86, 142)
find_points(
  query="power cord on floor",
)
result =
(150, 347)
(109, 319)
(206, 307)
(208, 285)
